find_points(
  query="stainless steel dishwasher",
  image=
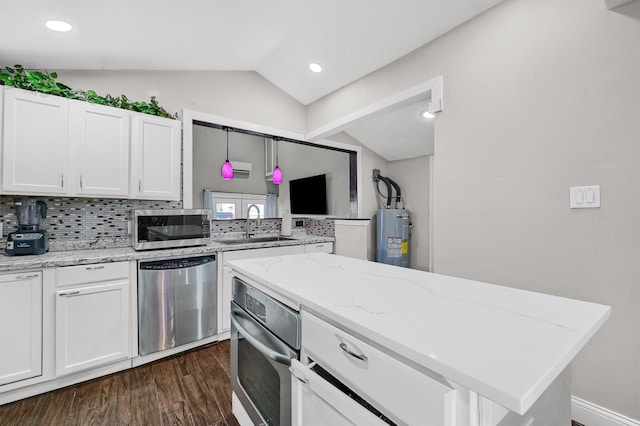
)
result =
(177, 302)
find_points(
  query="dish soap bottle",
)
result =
(286, 224)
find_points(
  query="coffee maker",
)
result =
(29, 238)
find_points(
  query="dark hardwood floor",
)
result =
(191, 388)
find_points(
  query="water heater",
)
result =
(393, 237)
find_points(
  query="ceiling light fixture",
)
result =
(277, 173)
(59, 26)
(315, 67)
(227, 167)
(426, 114)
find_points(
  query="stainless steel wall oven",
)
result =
(265, 336)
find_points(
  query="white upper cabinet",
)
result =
(35, 143)
(155, 158)
(101, 136)
(56, 146)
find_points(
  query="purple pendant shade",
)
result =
(277, 176)
(227, 171)
(227, 167)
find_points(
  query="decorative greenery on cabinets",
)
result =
(45, 82)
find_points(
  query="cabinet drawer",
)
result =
(83, 274)
(319, 247)
(397, 390)
(315, 401)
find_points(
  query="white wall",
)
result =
(241, 95)
(539, 95)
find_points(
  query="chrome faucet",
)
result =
(248, 215)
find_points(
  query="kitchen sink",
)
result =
(255, 240)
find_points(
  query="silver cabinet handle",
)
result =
(62, 180)
(302, 379)
(70, 293)
(139, 185)
(361, 357)
(92, 268)
(80, 181)
(26, 277)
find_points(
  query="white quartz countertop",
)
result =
(105, 255)
(505, 344)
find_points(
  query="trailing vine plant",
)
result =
(45, 82)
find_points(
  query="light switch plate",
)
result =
(584, 197)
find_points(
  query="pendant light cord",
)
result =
(227, 144)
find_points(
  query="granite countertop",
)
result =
(505, 344)
(104, 255)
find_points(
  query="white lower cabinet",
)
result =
(319, 247)
(20, 326)
(92, 319)
(399, 392)
(225, 275)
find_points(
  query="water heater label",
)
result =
(394, 247)
(405, 247)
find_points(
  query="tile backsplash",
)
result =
(75, 223)
(82, 218)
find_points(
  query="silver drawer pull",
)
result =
(361, 357)
(71, 293)
(91, 268)
(26, 277)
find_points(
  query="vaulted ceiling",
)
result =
(276, 38)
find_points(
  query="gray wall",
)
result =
(299, 161)
(413, 178)
(209, 153)
(540, 95)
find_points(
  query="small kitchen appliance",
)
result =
(29, 238)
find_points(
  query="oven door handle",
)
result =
(260, 347)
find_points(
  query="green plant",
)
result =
(45, 82)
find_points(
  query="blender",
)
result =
(29, 238)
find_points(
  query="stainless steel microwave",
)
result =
(157, 229)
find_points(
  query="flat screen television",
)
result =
(308, 195)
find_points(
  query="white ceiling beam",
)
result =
(612, 4)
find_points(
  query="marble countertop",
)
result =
(104, 255)
(505, 344)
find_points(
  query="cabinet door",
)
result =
(156, 158)
(101, 138)
(20, 326)
(92, 326)
(316, 402)
(35, 147)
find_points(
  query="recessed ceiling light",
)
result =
(315, 67)
(426, 114)
(59, 26)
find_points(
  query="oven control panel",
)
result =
(256, 307)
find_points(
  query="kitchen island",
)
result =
(499, 349)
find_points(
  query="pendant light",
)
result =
(227, 168)
(277, 173)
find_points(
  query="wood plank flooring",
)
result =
(192, 388)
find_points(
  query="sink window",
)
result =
(226, 205)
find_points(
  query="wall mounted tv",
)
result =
(308, 195)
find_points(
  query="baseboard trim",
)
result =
(590, 414)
